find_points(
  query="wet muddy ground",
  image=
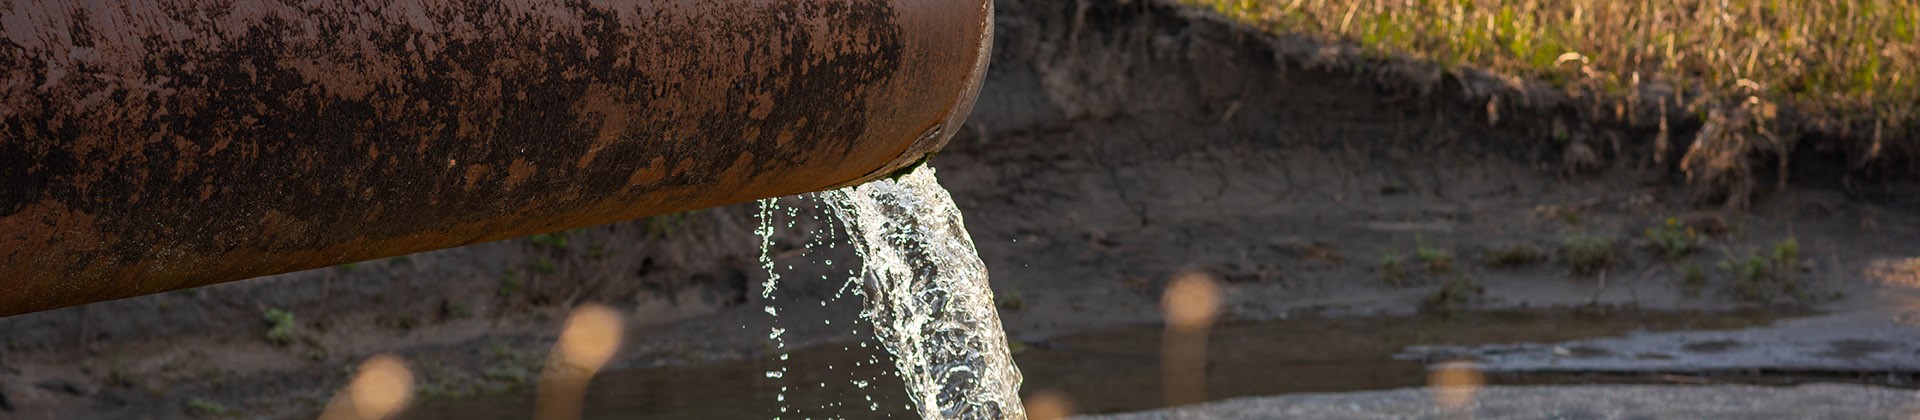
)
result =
(1816, 401)
(1119, 370)
(1114, 146)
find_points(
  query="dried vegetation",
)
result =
(1727, 89)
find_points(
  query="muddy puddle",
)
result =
(823, 381)
(1106, 371)
(1119, 371)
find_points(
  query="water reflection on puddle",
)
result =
(1097, 372)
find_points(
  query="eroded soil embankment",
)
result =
(1133, 141)
(1116, 144)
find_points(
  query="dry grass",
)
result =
(1849, 68)
(1850, 53)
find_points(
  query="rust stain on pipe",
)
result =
(159, 145)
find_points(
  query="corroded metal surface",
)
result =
(157, 145)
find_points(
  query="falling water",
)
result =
(926, 296)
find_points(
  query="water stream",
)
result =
(927, 299)
(924, 291)
(924, 300)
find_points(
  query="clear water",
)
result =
(925, 293)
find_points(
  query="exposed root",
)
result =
(1732, 145)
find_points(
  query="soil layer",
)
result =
(1115, 144)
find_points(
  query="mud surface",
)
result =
(1114, 144)
(1571, 402)
(1103, 371)
(1863, 342)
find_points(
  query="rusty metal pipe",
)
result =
(159, 145)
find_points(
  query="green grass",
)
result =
(552, 240)
(1438, 260)
(1847, 57)
(281, 327)
(510, 284)
(1787, 253)
(200, 407)
(1770, 277)
(1674, 239)
(1453, 295)
(1393, 269)
(1012, 300)
(667, 224)
(542, 265)
(1588, 255)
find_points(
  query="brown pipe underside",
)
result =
(160, 145)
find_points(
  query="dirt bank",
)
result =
(1116, 143)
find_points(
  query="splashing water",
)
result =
(926, 296)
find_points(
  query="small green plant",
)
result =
(1588, 254)
(1393, 269)
(280, 326)
(1751, 279)
(350, 267)
(459, 311)
(542, 265)
(1674, 239)
(1437, 260)
(1012, 300)
(510, 284)
(1693, 279)
(665, 225)
(117, 373)
(200, 407)
(1764, 279)
(1786, 257)
(553, 240)
(596, 250)
(316, 355)
(1514, 256)
(1459, 290)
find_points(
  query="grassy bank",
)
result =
(1757, 74)
(1841, 55)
